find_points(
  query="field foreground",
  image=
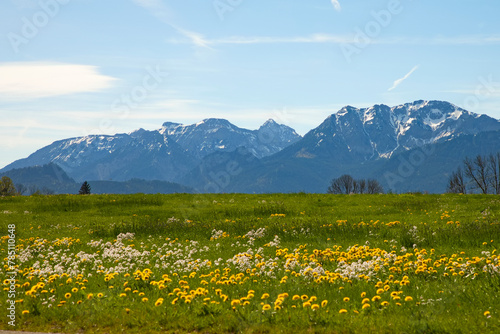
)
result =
(251, 263)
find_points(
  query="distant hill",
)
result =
(51, 178)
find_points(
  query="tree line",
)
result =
(478, 175)
(7, 188)
(346, 184)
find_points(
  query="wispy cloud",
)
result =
(158, 9)
(336, 5)
(28, 80)
(400, 81)
(324, 38)
(315, 38)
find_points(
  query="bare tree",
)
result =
(346, 184)
(21, 188)
(361, 186)
(456, 182)
(494, 172)
(477, 171)
(374, 187)
(334, 187)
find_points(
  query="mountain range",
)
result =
(410, 147)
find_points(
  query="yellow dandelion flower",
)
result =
(90, 296)
(235, 302)
(487, 313)
(175, 301)
(296, 297)
(141, 294)
(346, 299)
(67, 296)
(79, 302)
(265, 296)
(123, 295)
(144, 299)
(324, 303)
(376, 298)
(266, 307)
(100, 295)
(408, 299)
(159, 302)
(365, 301)
(365, 306)
(343, 311)
(315, 307)
(74, 290)
(306, 304)
(127, 310)
(380, 291)
(363, 294)
(26, 312)
(384, 303)
(304, 297)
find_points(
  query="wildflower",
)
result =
(90, 295)
(487, 313)
(235, 302)
(304, 297)
(342, 311)
(144, 299)
(365, 301)
(265, 296)
(266, 307)
(159, 302)
(127, 310)
(384, 303)
(376, 298)
(380, 291)
(79, 302)
(123, 295)
(363, 294)
(74, 290)
(67, 296)
(315, 307)
(26, 312)
(100, 295)
(408, 299)
(346, 299)
(365, 306)
(324, 303)
(306, 304)
(295, 297)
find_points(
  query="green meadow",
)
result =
(303, 263)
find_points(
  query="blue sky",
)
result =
(70, 68)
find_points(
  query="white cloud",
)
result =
(27, 80)
(400, 81)
(336, 5)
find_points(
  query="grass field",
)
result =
(251, 263)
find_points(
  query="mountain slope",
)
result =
(357, 141)
(165, 154)
(218, 135)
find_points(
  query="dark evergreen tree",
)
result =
(85, 189)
